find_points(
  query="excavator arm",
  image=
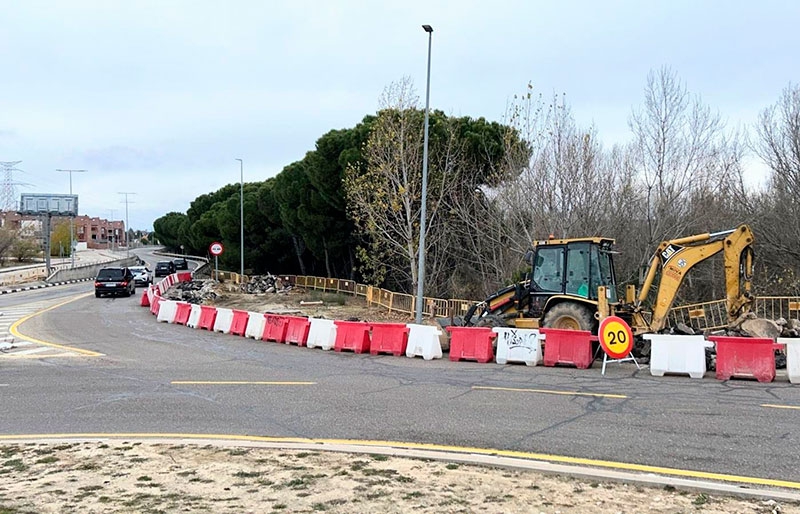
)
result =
(675, 258)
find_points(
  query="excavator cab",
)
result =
(565, 275)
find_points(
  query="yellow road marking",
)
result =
(546, 391)
(15, 331)
(685, 473)
(773, 406)
(198, 382)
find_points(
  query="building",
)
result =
(95, 233)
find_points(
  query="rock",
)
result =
(257, 284)
(780, 360)
(793, 324)
(781, 322)
(741, 319)
(682, 328)
(760, 327)
(194, 291)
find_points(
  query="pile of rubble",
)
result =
(260, 284)
(194, 291)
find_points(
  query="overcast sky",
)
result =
(159, 98)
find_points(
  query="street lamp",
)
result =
(423, 214)
(71, 219)
(241, 219)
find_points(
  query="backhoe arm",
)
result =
(675, 258)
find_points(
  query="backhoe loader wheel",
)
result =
(569, 316)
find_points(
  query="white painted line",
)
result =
(3, 385)
(33, 350)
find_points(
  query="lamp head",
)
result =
(427, 28)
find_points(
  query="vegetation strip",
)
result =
(578, 461)
(546, 391)
(15, 331)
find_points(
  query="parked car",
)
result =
(141, 275)
(181, 263)
(114, 281)
(164, 268)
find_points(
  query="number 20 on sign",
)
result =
(616, 337)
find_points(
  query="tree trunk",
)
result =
(299, 252)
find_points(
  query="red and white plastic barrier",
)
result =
(321, 333)
(685, 354)
(471, 343)
(274, 328)
(297, 330)
(389, 338)
(352, 335)
(182, 312)
(222, 323)
(518, 345)
(423, 341)
(194, 316)
(255, 325)
(239, 322)
(208, 315)
(167, 310)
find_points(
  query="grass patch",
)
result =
(47, 460)
(90, 488)
(378, 457)
(412, 495)
(248, 474)
(279, 506)
(139, 459)
(452, 466)
(88, 466)
(186, 473)
(238, 451)
(15, 465)
(144, 478)
(700, 499)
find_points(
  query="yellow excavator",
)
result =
(572, 283)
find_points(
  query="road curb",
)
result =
(42, 286)
(368, 447)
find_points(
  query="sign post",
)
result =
(47, 206)
(616, 339)
(216, 250)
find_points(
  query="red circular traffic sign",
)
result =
(216, 248)
(616, 337)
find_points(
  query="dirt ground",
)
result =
(302, 302)
(129, 477)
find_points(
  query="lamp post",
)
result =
(127, 227)
(71, 219)
(241, 219)
(423, 209)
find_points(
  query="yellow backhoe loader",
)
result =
(572, 283)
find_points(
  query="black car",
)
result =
(181, 263)
(164, 268)
(114, 281)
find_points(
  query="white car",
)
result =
(142, 275)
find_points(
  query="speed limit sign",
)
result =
(216, 248)
(616, 337)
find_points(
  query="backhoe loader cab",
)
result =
(565, 275)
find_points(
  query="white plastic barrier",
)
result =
(194, 316)
(255, 325)
(162, 288)
(792, 358)
(321, 333)
(167, 310)
(151, 292)
(678, 354)
(223, 321)
(518, 345)
(423, 341)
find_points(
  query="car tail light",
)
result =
(97, 284)
(124, 283)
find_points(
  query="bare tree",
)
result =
(777, 209)
(384, 198)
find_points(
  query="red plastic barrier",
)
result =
(471, 343)
(182, 312)
(208, 315)
(239, 322)
(745, 357)
(145, 301)
(352, 335)
(573, 347)
(297, 330)
(155, 305)
(184, 276)
(274, 328)
(389, 338)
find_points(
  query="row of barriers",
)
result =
(737, 357)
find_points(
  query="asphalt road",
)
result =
(705, 425)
